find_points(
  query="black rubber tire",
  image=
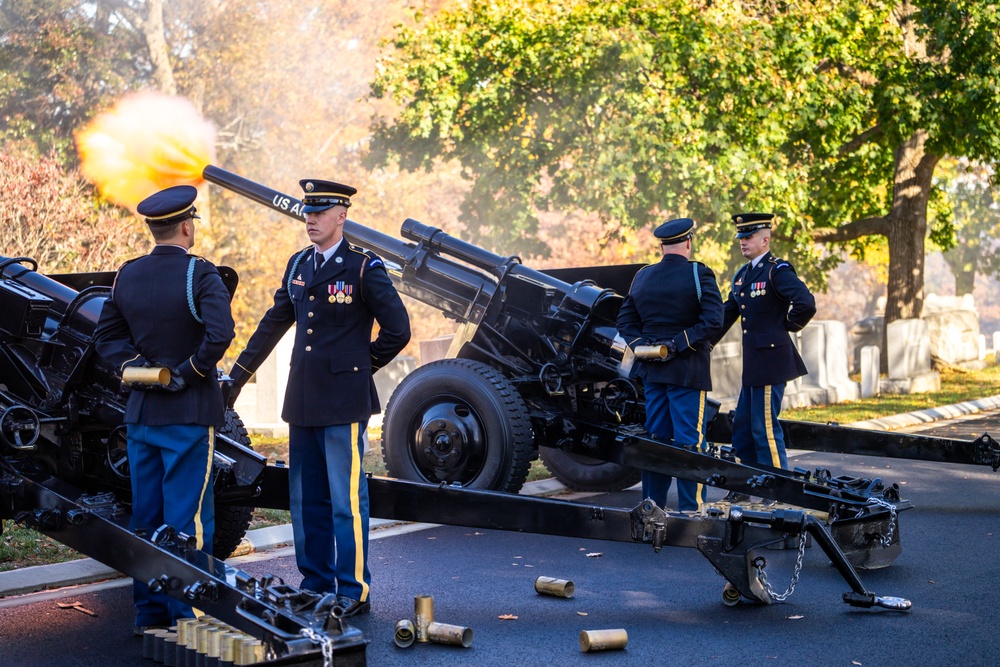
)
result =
(582, 473)
(231, 521)
(458, 421)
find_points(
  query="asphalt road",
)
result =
(669, 603)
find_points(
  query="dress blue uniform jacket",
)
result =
(333, 358)
(148, 319)
(770, 301)
(673, 300)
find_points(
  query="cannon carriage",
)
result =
(537, 370)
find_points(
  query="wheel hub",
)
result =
(449, 444)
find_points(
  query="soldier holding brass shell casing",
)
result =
(170, 309)
(674, 305)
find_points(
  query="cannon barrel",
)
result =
(460, 292)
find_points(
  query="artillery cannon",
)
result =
(539, 370)
(538, 367)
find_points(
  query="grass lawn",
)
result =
(23, 547)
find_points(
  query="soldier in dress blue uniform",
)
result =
(169, 309)
(676, 303)
(769, 300)
(333, 292)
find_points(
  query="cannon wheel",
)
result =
(231, 521)
(582, 473)
(458, 420)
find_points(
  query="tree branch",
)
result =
(860, 140)
(851, 231)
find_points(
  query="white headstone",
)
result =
(909, 344)
(870, 359)
(272, 378)
(823, 344)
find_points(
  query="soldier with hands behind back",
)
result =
(333, 292)
(169, 309)
(769, 301)
(675, 303)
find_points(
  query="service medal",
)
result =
(340, 297)
(332, 299)
(763, 292)
(348, 299)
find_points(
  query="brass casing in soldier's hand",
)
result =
(651, 352)
(152, 375)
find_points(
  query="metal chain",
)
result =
(885, 541)
(759, 563)
(325, 644)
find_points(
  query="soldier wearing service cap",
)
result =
(169, 309)
(675, 302)
(333, 292)
(770, 302)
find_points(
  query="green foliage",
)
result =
(642, 109)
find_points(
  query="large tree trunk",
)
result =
(906, 229)
(159, 53)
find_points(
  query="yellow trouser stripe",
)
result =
(769, 428)
(199, 530)
(700, 490)
(359, 547)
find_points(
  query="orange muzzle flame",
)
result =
(146, 142)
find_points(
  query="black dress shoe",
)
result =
(351, 607)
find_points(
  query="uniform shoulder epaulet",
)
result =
(114, 282)
(197, 257)
(128, 261)
(778, 263)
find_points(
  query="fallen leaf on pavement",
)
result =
(507, 617)
(595, 554)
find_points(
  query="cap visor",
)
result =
(316, 209)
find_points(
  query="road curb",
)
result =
(893, 422)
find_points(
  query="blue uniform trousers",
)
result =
(757, 435)
(171, 471)
(329, 502)
(678, 414)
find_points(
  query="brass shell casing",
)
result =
(560, 588)
(454, 635)
(230, 648)
(423, 615)
(153, 375)
(406, 633)
(182, 629)
(650, 352)
(603, 640)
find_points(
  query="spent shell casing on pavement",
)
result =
(423, 615)
(406, 633)
(560, 588)
(603, 640)
(455, 635)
